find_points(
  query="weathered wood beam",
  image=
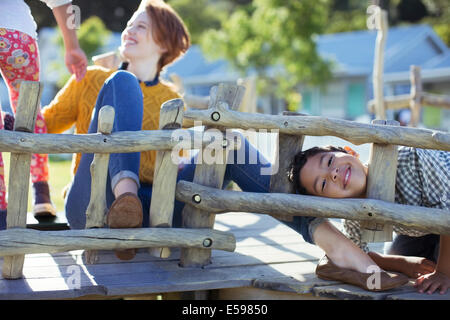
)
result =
(97, 208)
(391, 103)
(117, 142)
(196, 102)
(24, 241)
(220, 201)
(223, 97)
(381, 185)
(403, 101)
(354, 132)
(27, 108)
(165, 175)
(416, 95)
(378, 65)
(435, 100)
(286, 149)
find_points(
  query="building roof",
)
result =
(353, 52)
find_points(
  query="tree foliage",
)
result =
(274, 39)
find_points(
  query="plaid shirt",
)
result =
(423, 179)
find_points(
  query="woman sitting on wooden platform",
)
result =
(423, 179)
(155, 36)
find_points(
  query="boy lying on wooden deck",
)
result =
(423, 179)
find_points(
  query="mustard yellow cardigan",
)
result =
(74, 103)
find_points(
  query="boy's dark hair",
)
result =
(300, 160)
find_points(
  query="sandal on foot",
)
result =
(327, 270)
(125, 212)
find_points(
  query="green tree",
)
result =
(275, 39)
(201, 15)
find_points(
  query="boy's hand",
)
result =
(433, 281)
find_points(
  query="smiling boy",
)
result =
(423, 176)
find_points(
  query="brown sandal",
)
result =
(327, 270)
(125, 212)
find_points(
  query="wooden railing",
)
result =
(413, 101)
(17, 240)
(203, 197)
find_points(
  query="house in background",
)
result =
(352, 54)
(347, 93)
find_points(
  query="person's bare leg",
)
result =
(341, 250)
(125, 185)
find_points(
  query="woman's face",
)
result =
(137, 39)
(334, 175)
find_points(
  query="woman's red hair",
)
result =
(168, 31)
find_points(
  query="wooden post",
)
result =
(27, 108)
(430, 220)
(381, 185)
(286, 148)
(165, 177)
(249, 101)
(209, 175)
(109, 60)
(378, 66)
(416, 95)
(97, 208)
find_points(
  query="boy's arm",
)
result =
(443, 264)
(440, 278)
(75, 58)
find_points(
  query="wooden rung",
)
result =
(97, 208)
(110, 60)
(287, 147)
(380, 185)
(165, 177)
(27, 108)
(11, 241)
(416, 95)
(209, 175)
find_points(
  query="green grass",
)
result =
(59, 174)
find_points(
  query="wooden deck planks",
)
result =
(269, 257)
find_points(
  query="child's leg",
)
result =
(5, 52)
(3, 203)
(20, 61)
(342, 252)
(122, 91)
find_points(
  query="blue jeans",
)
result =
(122, 91)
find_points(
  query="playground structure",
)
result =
(204, 197)
(415, 100)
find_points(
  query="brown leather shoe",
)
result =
(327, 270)
(125, 212)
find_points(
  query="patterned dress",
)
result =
(423, 179)
(19, 61)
